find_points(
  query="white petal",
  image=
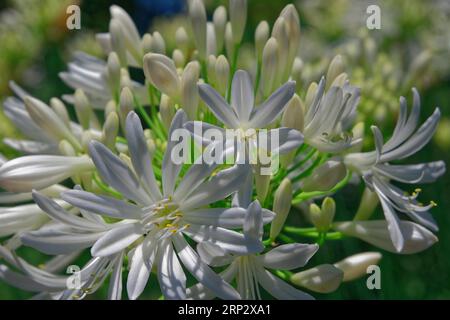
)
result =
(117, 239)
(170, 170)
(117, 174)
(140, 156)
(172, 279)
(242, 98)
(141, 266)
(115, 283)
(201, 271)
(103, 205)
(278, 288)
(289, 256)
(267, 112)
(218, 106)
(231, 218)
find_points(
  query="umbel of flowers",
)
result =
(105, 184)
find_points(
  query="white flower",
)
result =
(415, 237)
(155, 224)
(37, 172)
(249, 271)
(329, 115)
(243, 115)
(377, 171)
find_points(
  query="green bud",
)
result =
(281, 207)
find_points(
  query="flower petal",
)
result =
(267, 112)
(172, 279)
(201, 271)
(242, 98)
(289, 256)
(117, 239)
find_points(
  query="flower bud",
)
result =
(125, 80)
(110, 130)
(340, 80)
(158, 43)
(220, 21)
(132, 39)
(49, 121)
(113, 72)
(310, 95)
(147, 40)
(261, 37)
(222, 69)
(189, 96)
(324, 278)
(322, 218)
(355, 266)
(269, 66)
(376, 232)
(26, 173)
(166, 110)
(279, 32)
(178, 58)
(211, 70)
(335, 68)
(126, 104)
(210, 39)
(281, 207)
(229, 45)
(118, 41)
(290, 15)
(110, 107)
(197, 15)
(294, 114)
(262, 183)
(162, 73)
(182, 40)
(238, 19)
(296, 72)
(66, 149)
(325, 177)
(61, 110)
(82, 108)
(367, 206)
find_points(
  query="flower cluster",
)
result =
(102, 181)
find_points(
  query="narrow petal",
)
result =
(172, 279)
(289, 256)
(117, 239)
(242, 98)
(170, 170)
(278, 288)
(140, 155)
(230, 218)
(218, 106)
(103, 205)
(117, 174)
(266, 113)
(201, 271)
(115, 283)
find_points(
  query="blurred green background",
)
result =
(35, 46)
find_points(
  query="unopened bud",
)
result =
(82, 108)
(126, 104)
(280, 33)
(197, 14)
(238, 18)
(162, 73)
(110, 130)
(210, 39)
(367, 206)
(178, 58)
(211, 69)
(220, 21)
(61, 110)
(325, 177)
(118, 41)
(310, 94)
(335, 68)
(166, 110)
(189, 96)
(147, 40)
(269, 66)
(66, 149)
(158, 43)
(261, 37)
(322, 218)
(229, 44)
(281, 207)
(355, 266)
(113, 72)
(182, 40)
(222, 74)
(324, 278)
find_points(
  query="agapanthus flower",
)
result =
(250, 270)
(377, 170)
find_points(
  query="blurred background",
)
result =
(412, 48)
